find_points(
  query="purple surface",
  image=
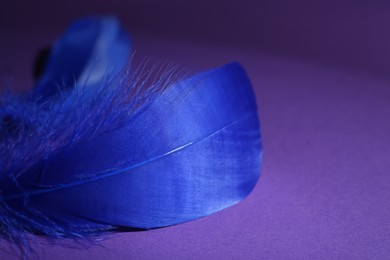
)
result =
(325, 187)
(348, 34)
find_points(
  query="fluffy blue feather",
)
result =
(125, 150)
(89, 50)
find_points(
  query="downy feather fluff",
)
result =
(97, 145)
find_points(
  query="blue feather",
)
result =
(124, 151)
(89, 50)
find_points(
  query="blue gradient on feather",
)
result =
(91, 49)
(193, 151)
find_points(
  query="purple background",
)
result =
(320, 72)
